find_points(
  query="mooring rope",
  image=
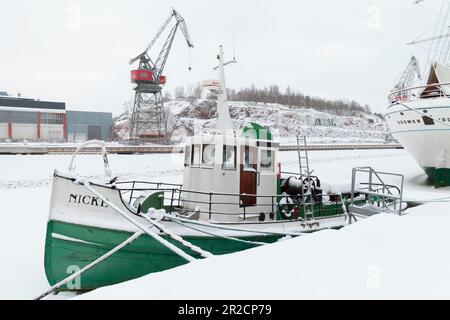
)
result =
(223, 227)
(141, 226)
(174, 236)
(257, 243)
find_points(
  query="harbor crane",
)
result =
(406, 79)
(148, 119)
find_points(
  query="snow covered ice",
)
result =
(382, 257)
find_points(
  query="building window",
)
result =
(52, 118)
(5, 116)
(23, 117)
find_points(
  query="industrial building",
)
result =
(86, 125)
(36, 120)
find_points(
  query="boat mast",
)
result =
(224, 122)
(439, 48)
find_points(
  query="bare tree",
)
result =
(295, 99)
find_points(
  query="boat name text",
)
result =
(87, 200)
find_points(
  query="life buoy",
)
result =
(286, 207)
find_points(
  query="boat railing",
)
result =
(405, 94)
(380, 195)
(176, 199)
(129, 187)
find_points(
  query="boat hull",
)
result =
(70, 247)
(82, 228)
(423, 128)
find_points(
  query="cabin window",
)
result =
(229, 158)
(249, 158)
(208, 153)
(195, 158)
(187, 156)
(267, 159)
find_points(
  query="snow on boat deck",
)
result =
(25, 196)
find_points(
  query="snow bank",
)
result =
(25, 197)
(385, 256)
(22, 230)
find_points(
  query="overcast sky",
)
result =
(78, 51)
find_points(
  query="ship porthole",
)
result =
(425, 111)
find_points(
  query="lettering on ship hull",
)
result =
(87, 200)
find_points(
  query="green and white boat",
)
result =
(234, 197)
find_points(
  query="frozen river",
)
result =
(25, 194)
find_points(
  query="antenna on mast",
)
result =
(234, 49)
(218, 87)
(226, 63)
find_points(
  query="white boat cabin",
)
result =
(230, 178)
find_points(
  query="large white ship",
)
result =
(419, 118)
(418, 114)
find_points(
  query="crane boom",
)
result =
(182, 25)
(180, 22)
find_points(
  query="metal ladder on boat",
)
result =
(303, 162)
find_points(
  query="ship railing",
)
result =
(129, 187)
(176, 200)
(381, 196)
(405, 94)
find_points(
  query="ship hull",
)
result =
(422, 127)
(70, 247)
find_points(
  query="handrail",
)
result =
(386, 193)
(273, 206)
(214, 193)
(100, 143)
(387, 185)
(150, 182)
(176, 199)
(416, 87)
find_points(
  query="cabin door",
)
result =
(248, 175)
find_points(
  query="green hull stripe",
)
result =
(440, 177)
(145, 255)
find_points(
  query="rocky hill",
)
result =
(187, 118)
